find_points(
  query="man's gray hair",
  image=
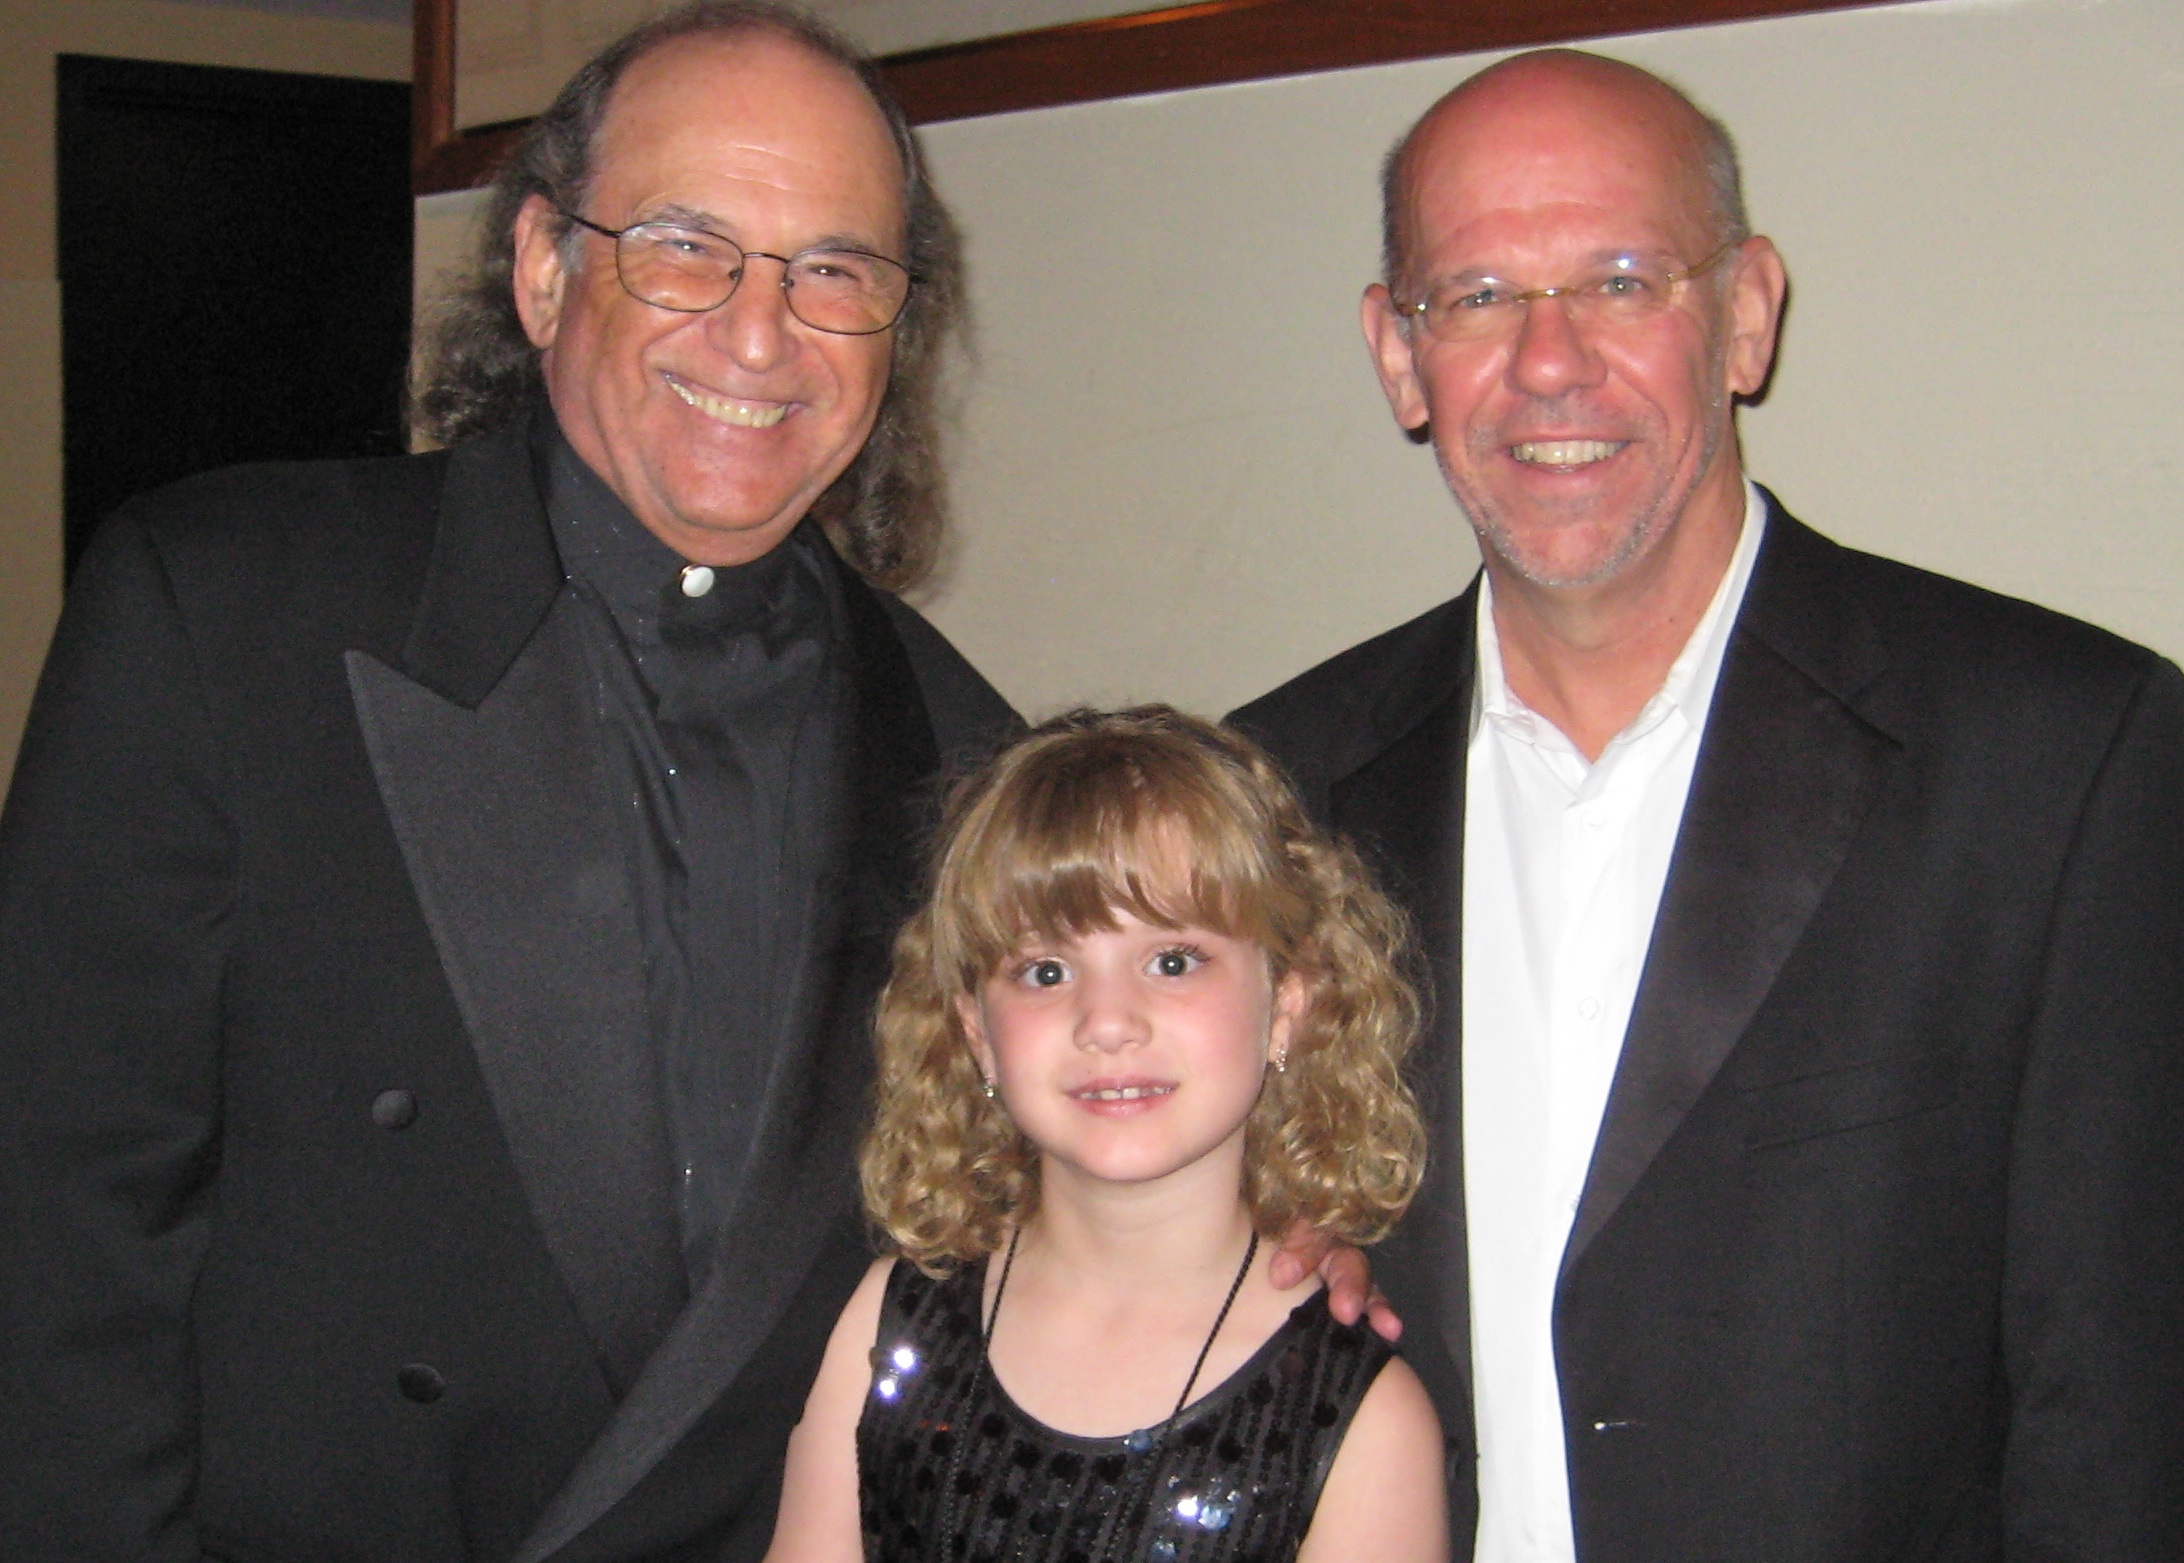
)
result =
(886, 512)
(1717, 151)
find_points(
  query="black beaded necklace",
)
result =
(1144, 1441)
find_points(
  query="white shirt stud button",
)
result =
(697, 580)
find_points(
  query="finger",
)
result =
(1349, 1283)
(1385, 1324)
(1304, 1250)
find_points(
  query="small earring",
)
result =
(987, 1086)
(1281, 1063)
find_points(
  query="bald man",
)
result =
(1807, 930)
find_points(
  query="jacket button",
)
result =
(421, 1382)
(394, 1109)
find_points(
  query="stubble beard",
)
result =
(1644, 527)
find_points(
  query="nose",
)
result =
(753, 326)
(1550, 355)
(1110, 1017)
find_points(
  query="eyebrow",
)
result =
(682, 217)
(1595, 258)
(691, 217)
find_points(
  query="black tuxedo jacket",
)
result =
(332, 1161)
(1881, 1252)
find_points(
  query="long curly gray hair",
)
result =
(479, 370)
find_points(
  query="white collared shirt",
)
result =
(1563, 868)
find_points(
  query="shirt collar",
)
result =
(606, 548)
(603, 545)
(1689, 686)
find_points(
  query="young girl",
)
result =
(1148, 1020)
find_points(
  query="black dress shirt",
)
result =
(720, 694)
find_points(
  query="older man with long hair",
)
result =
(442, 899)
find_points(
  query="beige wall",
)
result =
(511, 56)
(1176, 476)
(30, 302)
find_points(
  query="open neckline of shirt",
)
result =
(1214, 1399)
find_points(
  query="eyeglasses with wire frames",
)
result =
(845, 292)
(1621, 292)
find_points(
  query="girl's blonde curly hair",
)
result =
(1087, 816)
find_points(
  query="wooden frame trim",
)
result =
(432, 82)
(1200, 45)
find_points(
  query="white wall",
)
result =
(1176, 476)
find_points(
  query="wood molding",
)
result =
(468, 159)
(1250, 40)
(432, 84)
(1185, 46)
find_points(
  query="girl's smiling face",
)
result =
(1130, 1053)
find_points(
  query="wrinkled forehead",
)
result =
(744, 111)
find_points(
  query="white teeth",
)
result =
(1128, 1093)
(1565, 453)
(744, 415)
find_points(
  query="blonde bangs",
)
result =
(1075, 834)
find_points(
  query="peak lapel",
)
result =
(484, 748)
(802, 1179)
(1786, 770)
(494, 571)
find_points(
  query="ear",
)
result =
(1755, 314)
(1391, 350)
(1292, 997)
(540, 279)
(973, 1020)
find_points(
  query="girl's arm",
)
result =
(819, 1522)
(1384, 1498)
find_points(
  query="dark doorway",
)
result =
(235, 255)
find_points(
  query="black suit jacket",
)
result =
(1881, 1252)
(333, 1164)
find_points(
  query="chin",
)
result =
(1553, 552)
(737, 524)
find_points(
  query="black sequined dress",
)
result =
(1234, 1478)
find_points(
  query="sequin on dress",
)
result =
(1234, 1478)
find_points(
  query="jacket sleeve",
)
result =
(117, 894)
(2094, 1286)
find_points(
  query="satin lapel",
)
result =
(1787, 768)
(505, 825)
(1404, 808)
(802, 1175)
(494, 572)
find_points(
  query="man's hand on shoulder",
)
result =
(1349, 1279)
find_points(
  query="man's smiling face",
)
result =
(1573, 447)
(719, 429)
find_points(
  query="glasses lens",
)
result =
(1623, 291)
(678, 268)
(1469, 308)
(847, 291)
(1627, 289)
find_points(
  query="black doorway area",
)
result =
(235, 252)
